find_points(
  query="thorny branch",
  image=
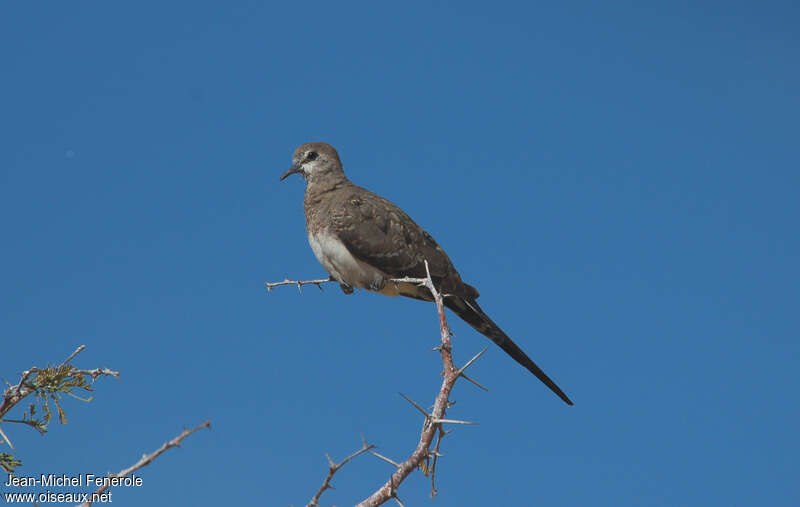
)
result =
(433, 420)
(146, 460)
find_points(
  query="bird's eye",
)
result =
(312, 155)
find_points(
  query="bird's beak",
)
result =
(294, 169)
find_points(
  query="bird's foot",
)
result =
(346, 288)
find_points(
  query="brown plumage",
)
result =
(363, 240)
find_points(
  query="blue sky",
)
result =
(619, 180)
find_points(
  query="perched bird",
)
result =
(363, 241)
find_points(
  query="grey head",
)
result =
(316, 162)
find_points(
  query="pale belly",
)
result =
(341, 265)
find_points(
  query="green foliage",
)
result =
(47, 386)
(50, 384)
(8, 462)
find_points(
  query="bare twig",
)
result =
(98, 372)
(318, 282)
(146, 460)
(72, 356)
(334, 467)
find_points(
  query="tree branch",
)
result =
(433, 420)
(146, 460)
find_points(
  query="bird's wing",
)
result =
(377, 232)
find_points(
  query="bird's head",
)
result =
(314, 161)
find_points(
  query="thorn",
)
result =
(384, 458)
(415, 405)
(469, 363)
(474, 382)
(451, 421)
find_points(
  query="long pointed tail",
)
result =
(471, 313)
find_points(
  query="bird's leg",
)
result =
(347, 289)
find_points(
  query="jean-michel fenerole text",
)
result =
(62, 480)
